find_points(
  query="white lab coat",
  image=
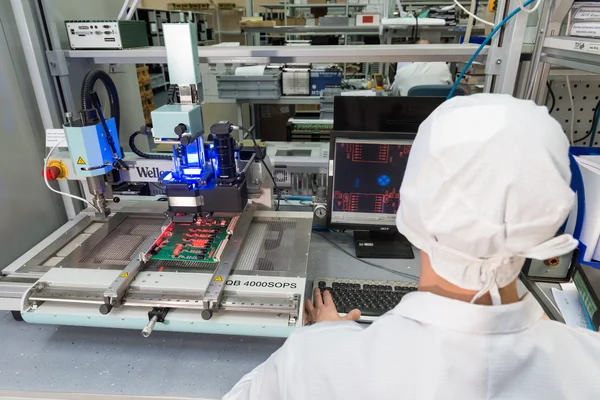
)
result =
(420, 73)
(432, 347)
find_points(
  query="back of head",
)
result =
(486, 186)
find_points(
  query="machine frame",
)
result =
(250, 301)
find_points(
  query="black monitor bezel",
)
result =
(357, 135)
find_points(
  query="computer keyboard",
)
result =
(372, 298)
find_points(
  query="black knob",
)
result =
(180, 129)
(206, 314)
(116, 199)
(185, 139)
(105, 308)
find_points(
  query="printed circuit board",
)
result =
(202, 241)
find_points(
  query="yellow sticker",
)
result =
(80, 161)
(124, 275)
(219, 279)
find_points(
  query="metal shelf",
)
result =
(329, 5)
(284, 100)
(289, 54)
(570, 52)
(316, 30)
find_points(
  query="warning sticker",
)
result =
(80, 161)
(219, 279)
(124, 275)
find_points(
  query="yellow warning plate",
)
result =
(80, 161)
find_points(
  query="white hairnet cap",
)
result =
(487, 186)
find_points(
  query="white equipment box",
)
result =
(106, 34)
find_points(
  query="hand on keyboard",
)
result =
(324, 309)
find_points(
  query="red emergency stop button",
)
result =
(52, 173)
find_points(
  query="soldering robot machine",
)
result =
(213, 258)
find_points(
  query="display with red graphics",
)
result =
(367, 179)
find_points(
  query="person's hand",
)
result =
(324, 309)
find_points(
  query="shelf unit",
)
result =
(316, 30)
(291, 54)
(285, 6)
(283, 100)
(570, 52)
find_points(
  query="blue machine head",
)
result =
(181, 125)
(90, 148)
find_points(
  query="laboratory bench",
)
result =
(69, 359)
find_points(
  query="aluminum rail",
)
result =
(288, 54)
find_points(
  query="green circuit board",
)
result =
(199, 241)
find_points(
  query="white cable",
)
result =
(401, 12)
(571, 134)
(483, 21)
(529, 10)
(132, 9)
(467, 38)
(123, 10)
(58, 191)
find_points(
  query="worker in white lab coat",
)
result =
(486, 186)
(413, 74)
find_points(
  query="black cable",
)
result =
(416, 28)
(348, 79)
(592, 128)
(381, 267)
(173, 94)
(87, 86)
(140, 153)
(257, 151)
(551, 97)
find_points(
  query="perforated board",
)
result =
(586, 96)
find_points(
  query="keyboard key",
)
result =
(322, 284)
(370, 312)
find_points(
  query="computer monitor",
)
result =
(365, 174)
(369, 147)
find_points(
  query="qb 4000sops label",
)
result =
(278, 285)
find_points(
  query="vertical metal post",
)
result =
(65, 84)
(539, 76)
(491, 69)
(248, 12)
(40, 78)
(512, 43)
(218, 23)
(505, 52)
(240, 118)
(542, 29)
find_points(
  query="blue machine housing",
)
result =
(89, 148)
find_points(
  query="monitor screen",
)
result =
(367, 174)
(382, 113)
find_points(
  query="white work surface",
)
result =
(65, 359)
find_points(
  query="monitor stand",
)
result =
(378, 244)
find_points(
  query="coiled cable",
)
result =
(87, 87)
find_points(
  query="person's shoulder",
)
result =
(589, 340)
